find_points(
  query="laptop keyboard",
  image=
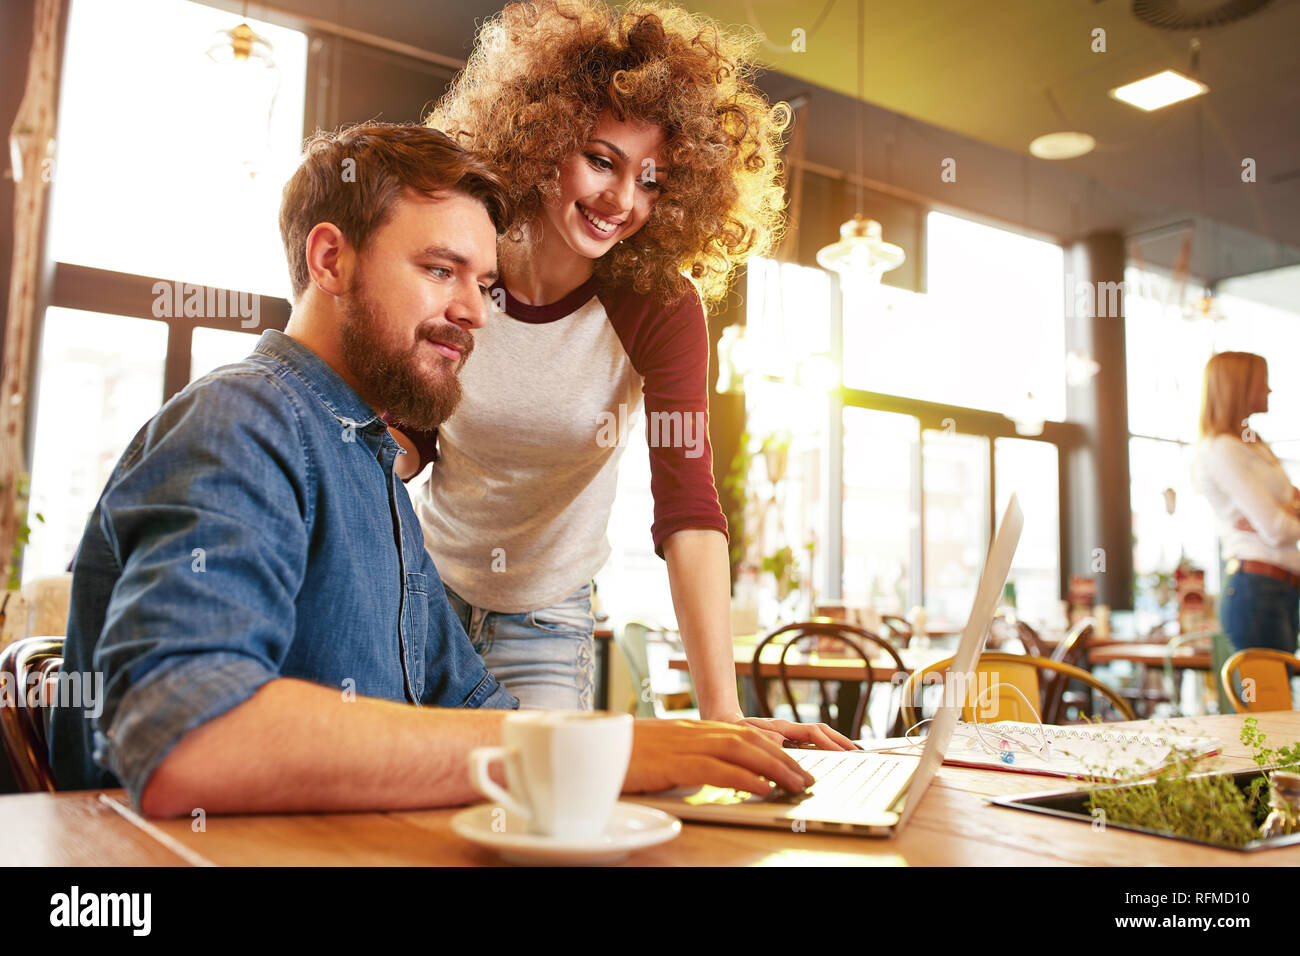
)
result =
(850, 779)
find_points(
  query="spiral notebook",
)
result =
(1092, 752)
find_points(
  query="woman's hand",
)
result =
(821, 736)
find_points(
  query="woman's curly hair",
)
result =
(540, 75)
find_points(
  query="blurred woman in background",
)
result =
(1255, 505)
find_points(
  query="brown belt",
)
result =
(1267, 570)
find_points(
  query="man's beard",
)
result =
(416, 386)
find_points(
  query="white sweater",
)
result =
(1245, 480)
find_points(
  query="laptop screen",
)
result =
(992, 581)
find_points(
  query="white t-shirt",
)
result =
(1246, 480)
(516, 508)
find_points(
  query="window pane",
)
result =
(633, 584)
(994, 305)
(956, 494)
(1161, 537)
(153, 137)
(1029, 468)
(212, 348)
(100, 381)
(880, 513)
(1165, 358)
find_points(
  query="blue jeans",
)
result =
(543, 657)
(1259, 611)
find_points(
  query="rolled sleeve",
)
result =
(209, 526)
(174, 699)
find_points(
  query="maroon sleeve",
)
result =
(426, 445)
(669, 348)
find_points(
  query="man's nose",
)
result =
(469, 309)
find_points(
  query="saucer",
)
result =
(631, 827)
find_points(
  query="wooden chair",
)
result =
(1029, 639)
(1018, 670)
(854, 637)
(900, 632)
(1270, 672)
(1057, 697)
(30, 664)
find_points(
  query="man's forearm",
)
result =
(296, 746)
(699, 575)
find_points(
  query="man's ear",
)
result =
(329, 258)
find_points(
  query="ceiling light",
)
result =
(1159, 90)
(1062, 145)
(861, 252)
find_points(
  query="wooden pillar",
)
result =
(1097, 530)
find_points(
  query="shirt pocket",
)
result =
(415, 631)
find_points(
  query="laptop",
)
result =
(862, 793)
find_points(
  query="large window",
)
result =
(937, 389)
(989, 332)
(152, 179)
(155, 145)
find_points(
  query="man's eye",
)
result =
(445, 272)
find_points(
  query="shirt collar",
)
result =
(321, 380)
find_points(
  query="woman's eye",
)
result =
(600, 162)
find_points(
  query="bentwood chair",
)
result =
(32, 664)
(1057, 695)
(854, 639)
(1020, 671)
(1265, 679)
(900, 632)
(1028, 637)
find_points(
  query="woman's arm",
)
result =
(699, 575)
(1233, 467)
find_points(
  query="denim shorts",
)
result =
(543, 657)
(1259, 611)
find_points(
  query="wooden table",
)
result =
(821, 666)
(1152, 655)
(954, 825)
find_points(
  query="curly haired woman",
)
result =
(639, 153)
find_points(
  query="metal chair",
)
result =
(30, 664)
(631, 637)
(1270, 674)
(1018, 670)
(851, 635)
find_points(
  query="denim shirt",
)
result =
(253, 529)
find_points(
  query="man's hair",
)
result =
(354, 178)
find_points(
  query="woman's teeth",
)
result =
(604, 225)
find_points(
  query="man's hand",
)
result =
(681, 753)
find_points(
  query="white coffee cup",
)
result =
(564, 769)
